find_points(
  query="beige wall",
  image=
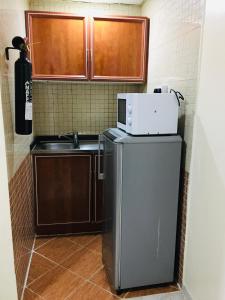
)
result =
(86, 107)
(175, 28)
(11, 24)
(204, 275)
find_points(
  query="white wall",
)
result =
(7, 273)
(204, 271)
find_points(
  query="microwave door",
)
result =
(121, 113)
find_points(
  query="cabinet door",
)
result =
(58, 45)
(62, 189)
(98, 192)
(119, 48)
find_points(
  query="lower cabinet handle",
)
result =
(100, 175)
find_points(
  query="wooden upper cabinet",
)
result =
(58, 45)
(65, 46)
(119, 47)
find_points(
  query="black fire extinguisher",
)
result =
(23, 88)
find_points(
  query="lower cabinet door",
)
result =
(63, 185)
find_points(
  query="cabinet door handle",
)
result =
(87, 61)
(91, 63)
(91, 54)
(100, 175)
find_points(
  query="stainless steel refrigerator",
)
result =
(141, 185)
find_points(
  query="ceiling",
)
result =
(134, 2)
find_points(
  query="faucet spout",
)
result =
(72, 136)
(75, 139)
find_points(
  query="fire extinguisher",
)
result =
(23, 87)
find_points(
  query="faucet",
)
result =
(74, 138)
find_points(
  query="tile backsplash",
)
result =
(87, 108)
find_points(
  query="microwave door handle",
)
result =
(100, 175)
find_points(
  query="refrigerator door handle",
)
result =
(100, 175)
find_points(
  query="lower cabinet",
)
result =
(68, 194)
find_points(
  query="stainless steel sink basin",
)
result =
(55, 146)
(59, 146)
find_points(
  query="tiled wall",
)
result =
(85, 8)
(88, 107)
(17, 146)
(175, 28)
(21, 204)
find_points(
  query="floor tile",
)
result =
(58, 249)
(82, 240)
(96, 245)
(91, 292)
(41, 241)
(29, 295)
(57, 284)
(101, 280)
(83, 262)
(39, 266)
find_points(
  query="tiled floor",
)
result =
(70, 268)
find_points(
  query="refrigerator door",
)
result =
(112, 207)
(149, 213)
(141, 185)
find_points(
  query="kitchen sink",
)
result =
(65, 146)
(55, 146)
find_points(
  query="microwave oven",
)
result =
(147, 113)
